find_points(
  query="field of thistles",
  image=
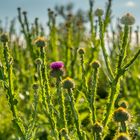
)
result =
(73, 79)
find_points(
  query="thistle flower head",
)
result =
(57, 69)
(68, 83)
(122, 136)
(40, 42)
(99, 12)
(97, 127)
(128, 19)
(121, 115)
(35, 86)
(4, 38)
(123, 104)
(95, 64)
(81, 51)
(57, 65)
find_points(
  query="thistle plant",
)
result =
(57, 72)
(45, 86)
(69, 84)
(39, 97)
(10, 93)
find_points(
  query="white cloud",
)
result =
(130, 4)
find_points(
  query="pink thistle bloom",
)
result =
(56, 65)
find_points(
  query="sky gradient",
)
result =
(38, 8)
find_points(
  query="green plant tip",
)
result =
(123, 104)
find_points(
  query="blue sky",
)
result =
(38, 8)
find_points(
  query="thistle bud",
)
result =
(121, 115)
(4, 38)
(68, 83)
(99, 12)
(40, 42)
(128, 19)
(97, 127)
(95, 64)
(35, 86)
(123, 104)
(122, 136)
(38, 61)
(81, 51)
(63, 132)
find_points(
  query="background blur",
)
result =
(38, 8)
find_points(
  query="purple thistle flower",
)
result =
(57, 65)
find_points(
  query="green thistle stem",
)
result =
(61, 104)
(47, 100)
(94, 94)
(106, 58)
(123, 127)
(131, 61)
(83, 69)
(110, 106)
(11, 99)
(75, 114)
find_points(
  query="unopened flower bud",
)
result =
(68, 83)
(81, 51)
(97, 127)
(35, 86)
(121, 115)
(95, 64)
(128, 19)
(40, 42)
(4, 38)
(99, 12)
(122, 136)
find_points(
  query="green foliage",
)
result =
(77, 100)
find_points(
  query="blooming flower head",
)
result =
(57, 65)
(57, 69)
(40, 42)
